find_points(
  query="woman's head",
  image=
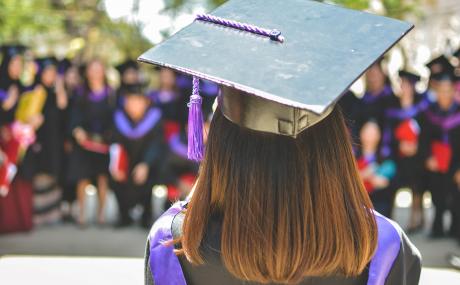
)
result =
(445, 92)
(167, 79)
(407, 88)
(95, 72)
(375, 78)
(370, 135)
(290, 207)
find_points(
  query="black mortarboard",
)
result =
(9, 51)
(296, 71)
(440, 64)
(412, 77)
(64, 65)
(457, 53)
(444, 75)
(133, 89)
(127, 65)
(44, 62)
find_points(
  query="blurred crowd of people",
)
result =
(68, 128)
(411, 139)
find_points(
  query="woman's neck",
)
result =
(407, 101)
(96, 86)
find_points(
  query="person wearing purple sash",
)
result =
(138, 130)
(90, 127)
(372, 105)
(439, 141)
(278, 198)
(400, 142)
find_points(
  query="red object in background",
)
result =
(7, 172)
(16, 208)
(408, 130)
(119, 161)
(174, 193)
(94, 146)
(170, 128)
(362, 165)
(442, 152)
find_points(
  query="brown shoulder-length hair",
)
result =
(291, 208)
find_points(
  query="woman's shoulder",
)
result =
(396, 260)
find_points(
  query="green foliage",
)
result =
(393, 8)
(58, 22)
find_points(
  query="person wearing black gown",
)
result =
(439, 142)
(138, 130)
(68, 72)
(378, 90)
(400, 141)
(90, 126)
(45, 155)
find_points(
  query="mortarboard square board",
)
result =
(326, 48)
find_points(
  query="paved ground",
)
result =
(68, 240)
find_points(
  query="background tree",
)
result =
(73, 27)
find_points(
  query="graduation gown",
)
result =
(440, 137)
(410, 168)
(143, 143)
(94, 114)
(372, 106)
(396, 261)
(46, 153)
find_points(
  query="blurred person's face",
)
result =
(130, 76)
(15, 67)
(167, 78)
(49, 76)
(136, 106)
(370, 135)
(95, 72)
(407, 88)
(72, 77)
(375, 78)
(445, 92)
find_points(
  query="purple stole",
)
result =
(166, 269)
(404, 114)
(400, 114)
(123, 124)
(3, 95)
(444, 123)
(369, 98)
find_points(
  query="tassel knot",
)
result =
(195, 148)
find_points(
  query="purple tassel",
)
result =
(195, 124)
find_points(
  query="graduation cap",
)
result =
(64, 65)
(412, 77)
(10, 51)
(457, 53)
(438, 65)
(127, 65)
(45, 62)
(133, 89)
(282, 65)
